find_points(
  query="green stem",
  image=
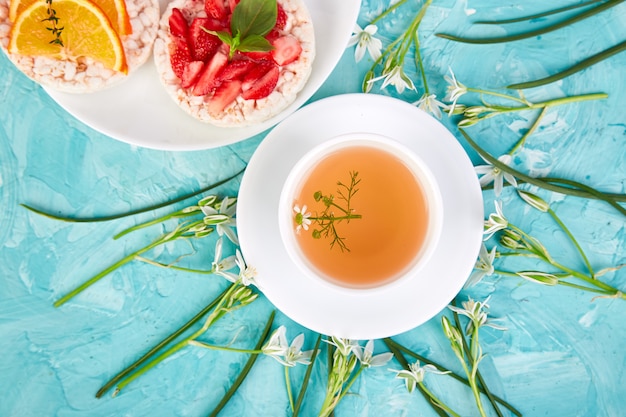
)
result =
(586, 63)
(573, 240)
(216, 314)
(496, 94)
(397, 346)
(82, 287)
(386, 12)
(132, 212)
(106, 387)
(350, 382)
(338, 218)
(554, 102)
(176, 214)
(530, 131)
(307, 377)
(396, 349)
(479, 376)
(223, 348)
(533, 33)
(538, 15)
(433, 398)
(288, 385)
(581, 190)
(175, 267)
(246, 369)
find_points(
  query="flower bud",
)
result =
(534, 200)
(539, 277)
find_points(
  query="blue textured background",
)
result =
(562, 355)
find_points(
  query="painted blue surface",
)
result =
(562, 355)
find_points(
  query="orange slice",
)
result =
(114, 9)
(87, 32)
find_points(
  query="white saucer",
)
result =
(370, 315)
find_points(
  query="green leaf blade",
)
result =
(254, 17)
(255, 43)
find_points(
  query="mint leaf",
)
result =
(254, 17)
(255, 43)
(222, 35)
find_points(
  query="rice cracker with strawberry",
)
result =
(234, 63)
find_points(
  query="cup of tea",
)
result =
(360, 212)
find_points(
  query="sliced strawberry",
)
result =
(258, 56)
(178, 24)
(180, 55)
(286, 50)
(281, 17)
(203, 44)
(216, 9)
(235, 70)
(232, 4)
(191, 73)
(207, 81)
(224, 95)
(260, 81)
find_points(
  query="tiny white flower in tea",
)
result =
(476, 312)
(454, 91)
(430, 104)
(396, 77)
(365, 355)
(224, 219)
(364, 40)
(483, 267)
(302, 218)
(494, 174)
(415, 374)
(495, 222)
(291, 355)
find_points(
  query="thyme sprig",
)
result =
(54, 21)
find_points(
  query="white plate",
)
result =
(139, 111)
(373, 315)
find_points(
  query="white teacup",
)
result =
(386, 149)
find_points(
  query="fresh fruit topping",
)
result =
(115, 10)
(286, 50)
(232, 4)
(260, 81)
(191, 73)
(224, 95)
(178, 24)
(281, 18)
(235, 70)
(90, 34)
(180, 55)
(216, 9)
(203, 44)
(208, 79)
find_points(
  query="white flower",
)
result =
(430, 104)
(344, 346)
(415, 374)
(224, 219)
(495, 222)
(396, 77)
(364, 354)
(302, 218)
(364, 40)
(483, 267)
(220, 265)
(290, 355)
(454, 91)
(494, 174)
(475, 311)
(246, 275)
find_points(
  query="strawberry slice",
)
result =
(191, 73)
(180, 55)
(286, 50)
(203, 44)
(178, 24)
(232, 4)
(281, 17)
(224, 95)
(207, 81)
(260, 81)
(235, 70)
(216, 9)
